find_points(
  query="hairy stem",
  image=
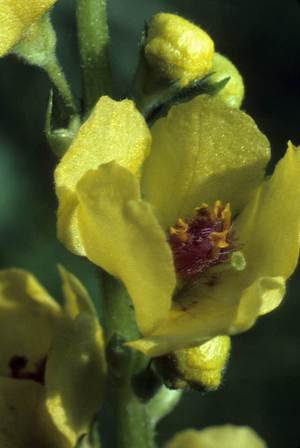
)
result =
(58, 79)
(93, 38)
(133, 424)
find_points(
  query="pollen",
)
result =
(204, 241)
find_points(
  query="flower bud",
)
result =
(233, 92)
(178, 50)
(39, 45)
(198, 367)
(16, 18)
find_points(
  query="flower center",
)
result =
(202, 242)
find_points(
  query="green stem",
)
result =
(93, 38)
(133, 424)
(58, 79)
(134, 429)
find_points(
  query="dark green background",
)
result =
(262, 37)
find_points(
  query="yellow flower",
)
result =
(51, 364)
(177, 49)
(16, 19)
(145, 222)
(226, 436)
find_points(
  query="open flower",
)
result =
(52, 365)
(226, 436)
(202, 242)
(16, 19)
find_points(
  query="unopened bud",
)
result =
(38, 46)
(178, 50)
(198, 367)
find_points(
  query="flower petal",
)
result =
(16, 17)
(24, 419)
(226, 436)
(115, 130)
(201, 313)
(27, 319)
(269, 229)
(120, 233)
(75, 375)
(203, 151)
(77, 298)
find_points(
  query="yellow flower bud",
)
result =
(198, 367)
(233, 92)
(177, 49)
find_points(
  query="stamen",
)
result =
(202, 242)
(180, 230)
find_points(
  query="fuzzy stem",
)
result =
(133, 424)
(57, 77)
(93, 38)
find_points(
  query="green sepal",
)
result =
(59, 129)
(174, 95)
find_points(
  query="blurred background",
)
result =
(262, 37)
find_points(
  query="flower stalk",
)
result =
(58, 79)
(93, 35)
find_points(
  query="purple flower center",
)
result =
(202, 242)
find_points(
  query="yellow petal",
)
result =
(269, 229)
(28, 318)
(24, 419)
(16, 17)
(116, 131)
(120, 233)
(201, 313)
(75, 375)
(77, 299)
(67, 221)
(268, 232)
(226, 436)
(203, 151)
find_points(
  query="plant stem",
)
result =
(133, 424)
(134, 429)
(93, 38)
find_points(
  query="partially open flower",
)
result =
(52, 365)
(226, 436)
(191, 231)
(16, 19)
(178, 50)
